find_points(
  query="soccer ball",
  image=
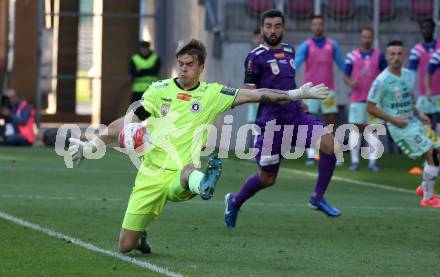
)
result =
(134, 138)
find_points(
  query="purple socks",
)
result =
(327, 163)
(326, 166)
(250, 187)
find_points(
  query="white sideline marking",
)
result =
(89, 246)
(305, 173)
(63, 170)
(347, 180)
(42, 197)
(351, 181)
(305, 205)
(260, 204)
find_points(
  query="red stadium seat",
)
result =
(386, 10)
(256, 7)
(341, 8)
(299, 8)
(422, 8)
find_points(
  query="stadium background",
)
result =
(70, 57)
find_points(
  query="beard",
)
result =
(273, 40)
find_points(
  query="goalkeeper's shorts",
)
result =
(150, 193)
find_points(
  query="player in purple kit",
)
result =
(272, 65)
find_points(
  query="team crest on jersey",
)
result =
(397, 94)
(275, 68)
(164, 109)
(195, 107)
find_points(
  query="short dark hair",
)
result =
(367, 28)
(271, 14)
(194, 48)
(395, 43)
(144, 44)
(427, 20)
(316, 16)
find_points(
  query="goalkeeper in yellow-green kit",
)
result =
(177, 110)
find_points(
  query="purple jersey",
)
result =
(275, 69)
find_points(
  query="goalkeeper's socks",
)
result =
(194, 181)
(429, 176)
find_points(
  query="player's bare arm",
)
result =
(349, 81)
(374, 110)
(265, 95)
(422, 116)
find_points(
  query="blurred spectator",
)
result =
(144, 70)
(18, 120)
(256, 37)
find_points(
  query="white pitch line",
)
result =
(63, 170)
(347, 180)
(42, 197)
(89, 246)
(351, 181)
(304, 173)
(253, 203)
(304, 205)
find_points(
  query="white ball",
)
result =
(134, 137)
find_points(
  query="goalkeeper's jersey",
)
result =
(180, 119)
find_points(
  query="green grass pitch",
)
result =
(381, 232)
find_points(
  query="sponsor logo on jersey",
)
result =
(166, 99)
(280, 55)
(249, 68)
(195, 107)
(161, 85)
(288, 49)
(184, 96)
(275, 68)
(228, 91)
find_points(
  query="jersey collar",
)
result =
(177, 84)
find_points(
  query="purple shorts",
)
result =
(286, 140)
